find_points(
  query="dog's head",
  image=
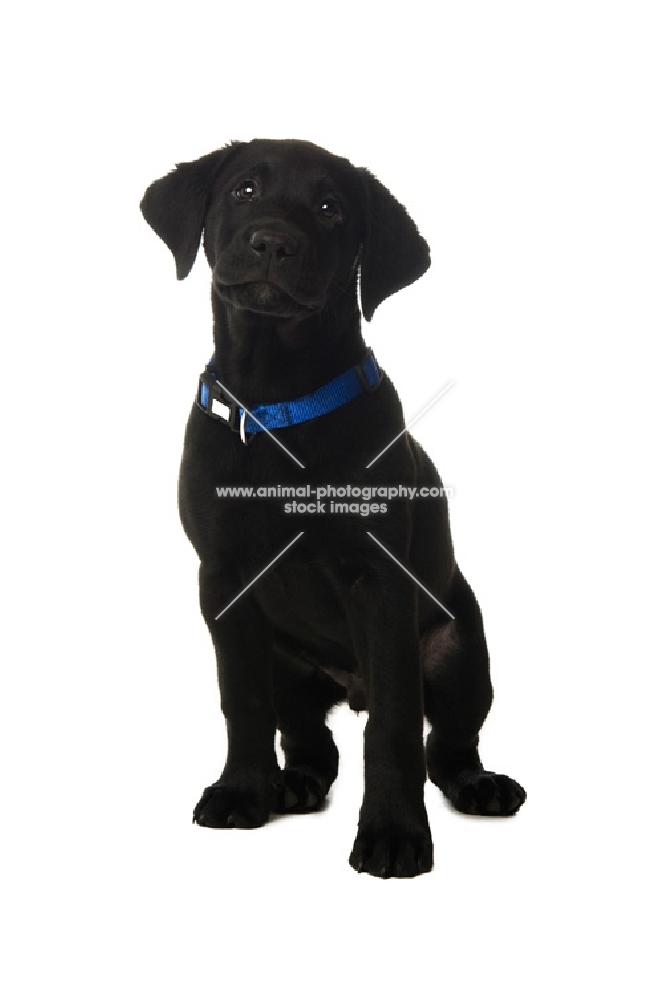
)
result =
(285, 226)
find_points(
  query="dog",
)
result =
(310, 604)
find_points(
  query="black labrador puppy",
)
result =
(311, 601)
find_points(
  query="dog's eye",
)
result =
(330, 208)
(245, 191)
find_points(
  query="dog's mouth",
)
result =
(264, 297)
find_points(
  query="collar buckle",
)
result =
(213, 401)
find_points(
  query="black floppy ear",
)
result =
(176, 205)
(393, 252)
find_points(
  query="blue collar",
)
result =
(213, 400)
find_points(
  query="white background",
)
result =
(526, 141)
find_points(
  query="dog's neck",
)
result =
(264, 359)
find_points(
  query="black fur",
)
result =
(335, 617)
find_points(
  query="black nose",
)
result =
(273, 243)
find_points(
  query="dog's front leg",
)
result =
(393, 837)
(245, 793)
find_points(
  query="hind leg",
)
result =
(303, 696)
(457, 698)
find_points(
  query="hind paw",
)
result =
(298, 790)
(483, 793)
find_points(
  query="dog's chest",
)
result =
(302, 598)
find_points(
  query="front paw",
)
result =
(393, 849)
(225, 804)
